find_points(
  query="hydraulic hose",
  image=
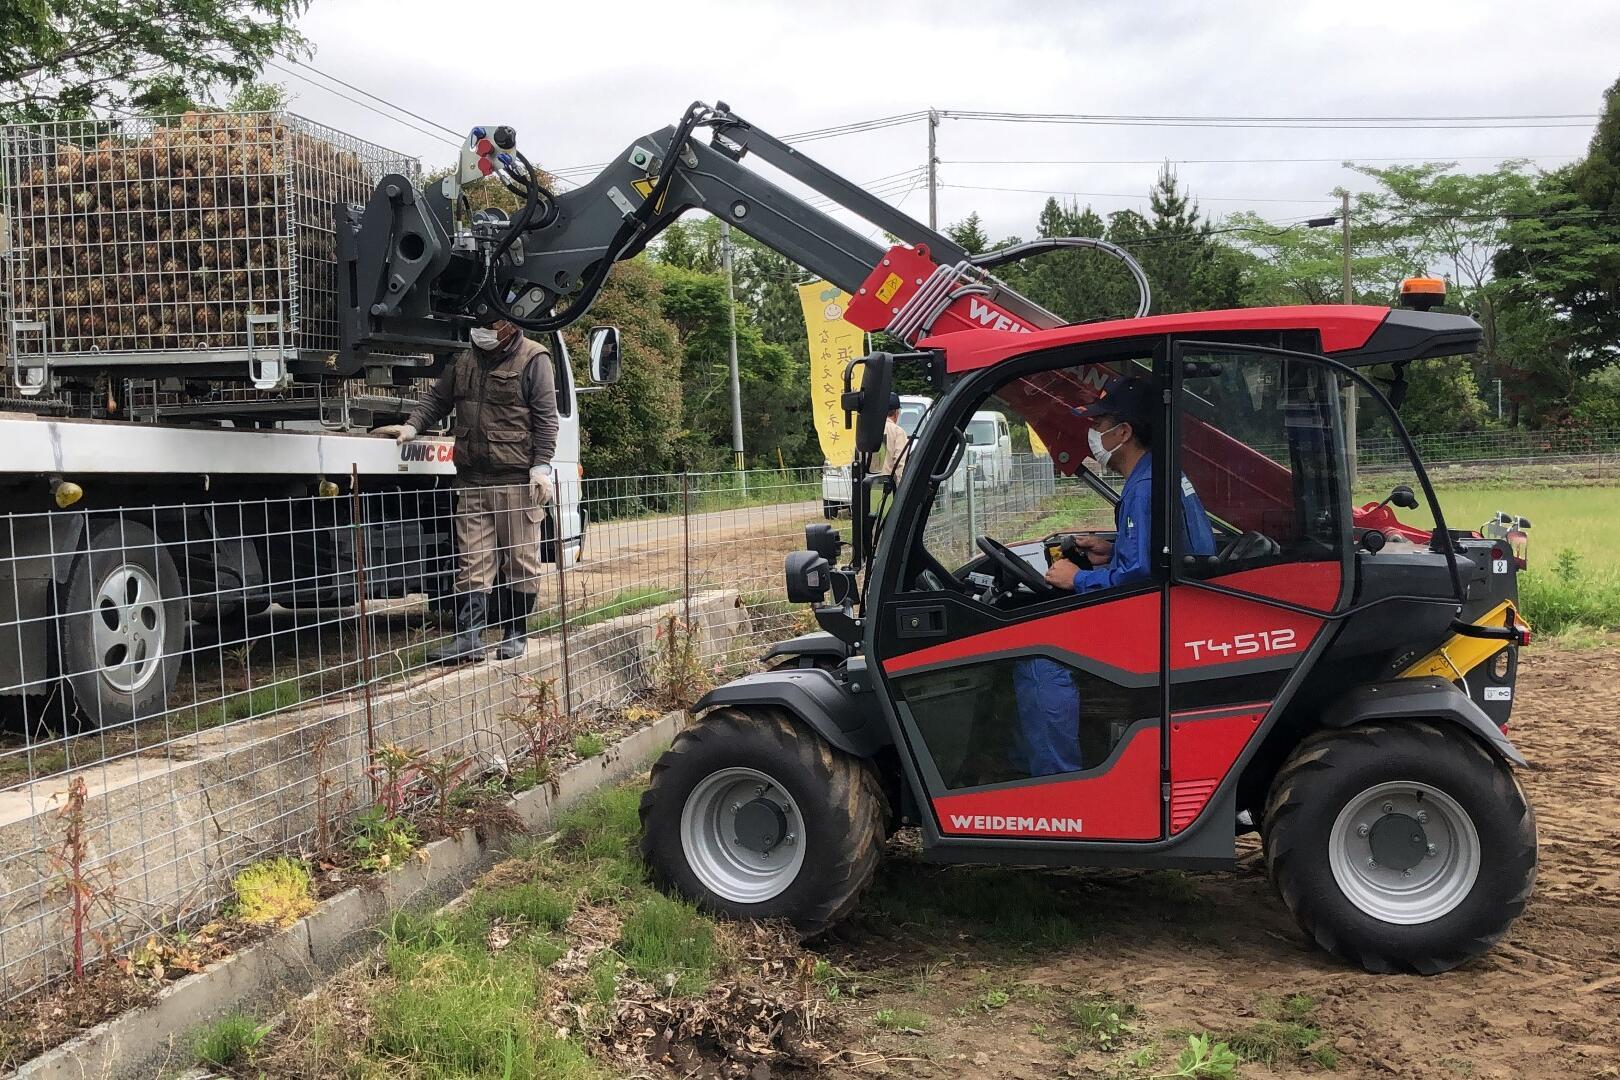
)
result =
(1018, 252)
(633, 224)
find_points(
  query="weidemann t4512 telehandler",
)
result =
(1311, 669)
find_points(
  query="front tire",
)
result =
(1400, 847)
(752, 816)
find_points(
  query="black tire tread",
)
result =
(1281, 849)
(852, 789)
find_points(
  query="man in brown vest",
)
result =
(505, 400)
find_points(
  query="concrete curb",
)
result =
(150, 1041)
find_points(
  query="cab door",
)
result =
(1029, 717)
(1259, 446)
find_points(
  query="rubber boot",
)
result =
(472, 613)
(515, 629)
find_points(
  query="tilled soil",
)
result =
(1216, 953)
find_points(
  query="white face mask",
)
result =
(484, 337)
(1094, 443)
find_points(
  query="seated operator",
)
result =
(1120, 439)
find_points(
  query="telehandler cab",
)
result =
(1289, 663)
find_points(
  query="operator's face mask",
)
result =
(1094, 443)
(484, 337)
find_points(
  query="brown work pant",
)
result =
(498, 529)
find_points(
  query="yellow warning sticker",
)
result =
(643, 187)
(890, 286)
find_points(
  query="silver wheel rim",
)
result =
(128, 623)
(726, 865)
(1404, 852)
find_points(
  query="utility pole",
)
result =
(933, 169)
(736, 385)
(1349, 298)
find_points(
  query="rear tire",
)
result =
(123, 625)
(706, 795)
(1400, 847)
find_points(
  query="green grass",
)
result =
(628, 602)
(1560, 593)
(458, 1011)
(898, 1019)
(667, 943)
(589, 744)
(229, 1041)
(1287, 1034)
(1102, 1021)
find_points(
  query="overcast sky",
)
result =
(581, 81)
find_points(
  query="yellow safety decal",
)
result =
(890, 286)
(1459, 655)
(643, 187)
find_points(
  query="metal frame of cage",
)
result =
(205, 241)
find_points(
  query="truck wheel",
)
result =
(1400, 847)
(122, 625)
(752, 816)
(830, 509)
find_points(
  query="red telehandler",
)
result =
(1292, 664)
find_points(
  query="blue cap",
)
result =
(1130, 398)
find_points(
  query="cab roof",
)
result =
(1355, 334)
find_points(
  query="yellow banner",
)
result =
(833, 344)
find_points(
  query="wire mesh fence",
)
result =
(222, 676)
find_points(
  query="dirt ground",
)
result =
(1217, 953)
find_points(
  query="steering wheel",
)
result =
(1013, 569)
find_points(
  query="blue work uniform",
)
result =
(1048, 739)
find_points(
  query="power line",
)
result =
(1399, 123)
(1123, 195)
(457, 135)
(364, 105)
(1358, 159)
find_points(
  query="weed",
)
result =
(84, 887)
(542, 720)
(229, 1041)
(1202, 1059)
(1141, 1059)
(906, 1021)
(381, 840)
(443, 775)
(393, 770)
(1101, 1020)
(994, 999)
(273, 892)
(677, 668)
(318, 750)
(589, 744)
(669, 944)
(1287, 1034)
(835, 982)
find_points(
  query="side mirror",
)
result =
(871, 405)
(824, 540)
(604, 355)
(1403, 497)
(808, 577)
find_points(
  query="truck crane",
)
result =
(1318, 673)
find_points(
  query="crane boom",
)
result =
(415, 279)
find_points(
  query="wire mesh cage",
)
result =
(189, 239)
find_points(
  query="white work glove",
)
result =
(541, 484)
(402, 433)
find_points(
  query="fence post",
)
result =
(686, 545)
(357, 513)
(559, 550)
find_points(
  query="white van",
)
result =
(989, 448)
(835, 478)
